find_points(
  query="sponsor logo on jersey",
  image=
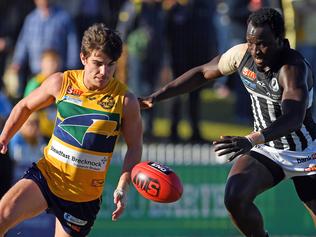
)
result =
(306, 159)
(249, 84)
(310, 168)
(249, 74)
(106, 102)
(274, 85)
(72, 91)
(74, 220)
(72, 100)
(91, 98)
(77, 159)
(79, 125)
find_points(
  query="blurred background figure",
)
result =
(86, 12)
(141, 24)
(92, 11)
(191, 38)
(27, 145)
(6, 164)
(305, 22)
(47, 26)
(14, 12)
(50, 63)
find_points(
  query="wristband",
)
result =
(251, 141)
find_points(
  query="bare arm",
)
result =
(293, 79)
(187, 82)
(132, 132)
(40, 98)
(224, 64)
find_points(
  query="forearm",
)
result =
(132, 157)
(17, 117)
(183, 84)
(291, 120)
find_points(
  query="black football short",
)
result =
(77, 218)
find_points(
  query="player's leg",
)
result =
(23, 201)
(305, 188)
(250, 175)
(59, 230)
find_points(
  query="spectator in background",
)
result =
(192, 41)
(27, 145)
(305, 19)
(14, 13)
(50, 63)
(92, 11)
(47, 26)
(305, 22)
(6, 164)
(107, 11)
(142, 27)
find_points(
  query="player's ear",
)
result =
(83, 59)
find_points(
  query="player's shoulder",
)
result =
(53, 83)
(291, 57)
(130, 98)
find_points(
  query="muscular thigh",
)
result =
(24, 200)
(252, 174)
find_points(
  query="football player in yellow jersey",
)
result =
(93, 109)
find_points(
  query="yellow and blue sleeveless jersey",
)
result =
(87, 127)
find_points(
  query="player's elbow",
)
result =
(21, 107)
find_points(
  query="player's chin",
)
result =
(260, 66)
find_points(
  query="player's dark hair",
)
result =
(98, 37)
(271, 17)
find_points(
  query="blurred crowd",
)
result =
(162, 39)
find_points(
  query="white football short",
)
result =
(293, 163)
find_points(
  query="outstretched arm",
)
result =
(221, 65)
(187, 82)
(132, 132)
(41, 97)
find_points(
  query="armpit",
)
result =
(231, 59)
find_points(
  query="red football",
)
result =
(156, 182)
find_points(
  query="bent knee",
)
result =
(235, 200)
(232, 201)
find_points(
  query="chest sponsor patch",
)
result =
(246, 72)
(77, 159)
(72, 100)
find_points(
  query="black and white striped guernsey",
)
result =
(266, 94)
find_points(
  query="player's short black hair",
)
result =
(270, 17)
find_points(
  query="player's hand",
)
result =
(3, 148)
(146, 103)
(120, 200)
(233, 144)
